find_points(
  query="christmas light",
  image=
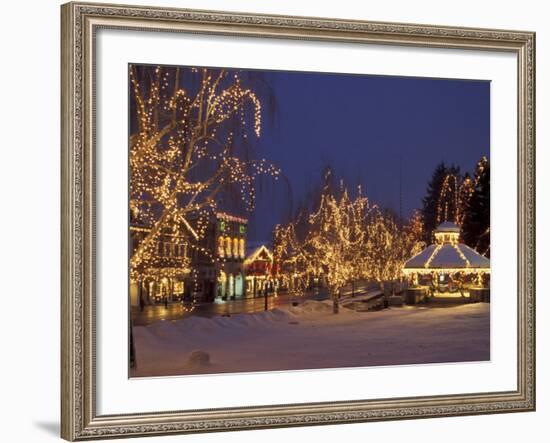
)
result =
(184, 155)
(347, 240)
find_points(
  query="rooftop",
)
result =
(447, 227)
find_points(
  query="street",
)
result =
(180, 310)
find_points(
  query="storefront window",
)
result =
(178, 287)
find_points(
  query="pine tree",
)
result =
(466, 191)
(431, 202)
(476, 226)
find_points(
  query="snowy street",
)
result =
(310, 336)
(178, 310)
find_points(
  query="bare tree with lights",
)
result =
(189, 131)
(290, 259)
(389, 247)
(347, 240)
(335, 241)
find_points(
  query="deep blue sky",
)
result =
(361, 126)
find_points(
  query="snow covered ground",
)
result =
(310, 336)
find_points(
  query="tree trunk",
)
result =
(335, 303)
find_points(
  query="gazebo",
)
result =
(448, 268)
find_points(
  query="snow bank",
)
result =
(198, 359)
(313, 307)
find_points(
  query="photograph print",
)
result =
(283, 220)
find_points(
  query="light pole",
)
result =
(293, 289)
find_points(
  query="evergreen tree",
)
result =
(466, 191)
(431, 201)
(476, 226)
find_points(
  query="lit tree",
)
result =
(382, 234)
(476, 226)
(464, 201)
(336, 240)
(431, 207)
(414, 228)
(454, 198)
(388, 247)
(466, 191)
(187, 148)
(411, 238)
(289, 259)
(347, 239)
(359, 209)
(448, 205)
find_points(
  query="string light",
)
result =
(346, 240)
(183, 157)
(459, 277)
(455, 195)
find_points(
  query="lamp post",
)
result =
(292, 289)
(265, 296)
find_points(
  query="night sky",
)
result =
(371, 130)
(364, 127)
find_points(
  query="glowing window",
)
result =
(235, 247)
(221, 250)
(227, 246)
(241, 247)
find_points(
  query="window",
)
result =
(241, 247)
(235, 247)
(221, 251)
(227, 246)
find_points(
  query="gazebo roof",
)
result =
(447, 227)
(448, 254)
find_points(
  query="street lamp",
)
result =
(293, 289)
(265, 295)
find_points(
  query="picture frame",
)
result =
(79, 177)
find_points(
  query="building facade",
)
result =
(218, 264)
(165, 276)
(258, 267)
(213, 266)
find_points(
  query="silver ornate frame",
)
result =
(80, 21)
